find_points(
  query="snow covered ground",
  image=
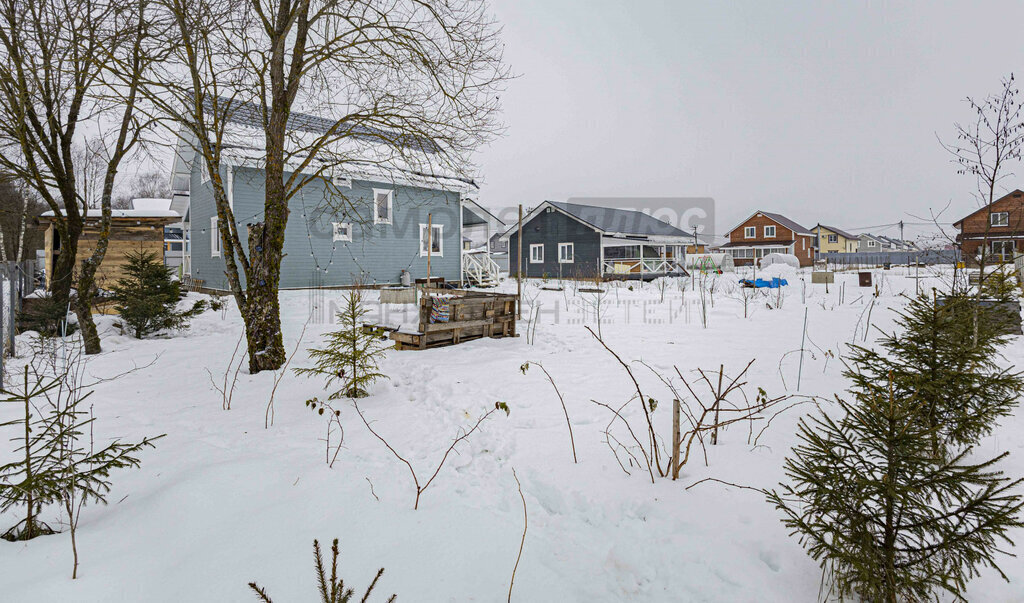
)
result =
(223, 500)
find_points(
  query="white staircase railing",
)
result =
(479, 269)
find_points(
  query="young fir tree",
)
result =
(885, 518)
(352, 356)
(147, 297)
(959, 384)
(332, 589)
(53, 464)
(33, 479)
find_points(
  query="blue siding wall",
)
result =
(551, 228)
(377, 253)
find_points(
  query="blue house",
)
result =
(381, 234)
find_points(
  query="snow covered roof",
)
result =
(125, 213)
(151, 204)
(250, 115)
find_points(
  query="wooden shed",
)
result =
(131, 231)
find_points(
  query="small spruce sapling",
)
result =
(886, 520)
(352, 356)
(147, 297)
(332, 588)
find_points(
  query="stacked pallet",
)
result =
(471, 315)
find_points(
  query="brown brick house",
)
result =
(999, 227)
(763, 233)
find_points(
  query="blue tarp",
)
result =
(775, 283)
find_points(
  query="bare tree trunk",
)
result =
(262, 313)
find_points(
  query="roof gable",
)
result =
(779, 219)
(1016, 193)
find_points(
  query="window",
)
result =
(342, 231)
(749, 232)
(833, 238)
(435, 240)
(204, 171)
(1002, 249)
(537, 253)
(871, 244)
(1000, 218)
(769, 232)
(382, 210)
(214, 238)
(565, 253)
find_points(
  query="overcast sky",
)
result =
(823, 111)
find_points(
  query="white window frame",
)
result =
(749, 232)
(1001, 244)
(766, 231)
(343, 236)
(214, 238)
(391, 209)
(1005, 221)
(572, 253)
(537, 258)
(204, 171)
(832, 238)
(439, 238)
(871, 244)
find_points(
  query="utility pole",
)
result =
(519, 262)
(901, 231)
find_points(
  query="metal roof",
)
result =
(250, 115)
(625, 221)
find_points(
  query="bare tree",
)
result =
(408, 85)
(57, 79)
(18, 204)
(985, 149)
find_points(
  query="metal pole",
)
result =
(430, 246)
(519, 265)
(803, 338)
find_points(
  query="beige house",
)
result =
(832, 240)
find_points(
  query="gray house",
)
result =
(570, 240)
(382, 234)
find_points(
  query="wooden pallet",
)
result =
(472, 315)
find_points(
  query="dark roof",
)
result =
(251, 115)
(625, 221)
(758, 243)
(841, 233)
(783, 220)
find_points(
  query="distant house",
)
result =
(999, 227)
(586, 241)
(480, 225)
(174, 234)
(870, 243)
(763, 233)
(833, 240)
(382, 232)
